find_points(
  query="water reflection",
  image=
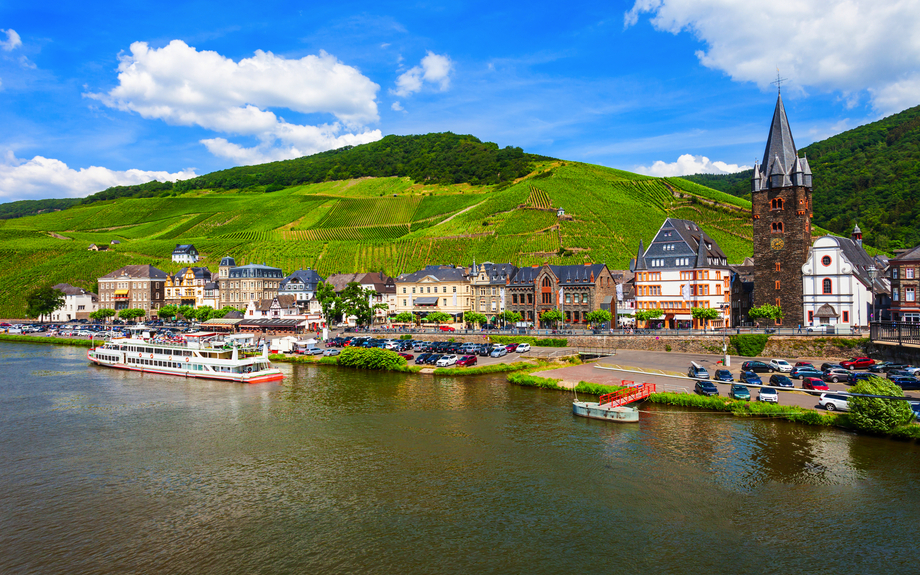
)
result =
(340, 471)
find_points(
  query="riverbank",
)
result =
(518, 366)
(46, 340)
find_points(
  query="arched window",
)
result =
(546, 282)
(777, 227)
(776, 204)
(826, 286)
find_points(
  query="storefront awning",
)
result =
(433, 300)
(121, 292)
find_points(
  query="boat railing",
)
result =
(626, 395)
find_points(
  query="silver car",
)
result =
(834, 402)
(768, 395)
(447, 360)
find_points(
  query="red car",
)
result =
(408, 356)
(466, 361)
(857, 363)
(813, 383)
(804, 363)
(446, 328)
(511, 347)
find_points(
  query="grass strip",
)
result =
(49, 340)
(741, 408)
(494, 368)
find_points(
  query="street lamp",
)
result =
(726, 359)
(873, 273)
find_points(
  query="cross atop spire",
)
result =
(779, 81)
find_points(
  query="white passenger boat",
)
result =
(199, 357)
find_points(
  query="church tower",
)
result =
(781, 198)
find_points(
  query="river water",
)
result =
(338, 471)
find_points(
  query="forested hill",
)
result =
(871, 173)
(443, 158)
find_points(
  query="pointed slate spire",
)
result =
(701, 259)
(756, 179)
(779, 142)
(640, 258)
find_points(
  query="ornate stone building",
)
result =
(781, 196)
(574, 290)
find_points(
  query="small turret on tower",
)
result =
(856, 236)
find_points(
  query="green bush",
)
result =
(667, 347)
(749, 344)
(370, 358)
(528, 380)
(596, 388)
(479, 370)
(749, 408)
(49, 340)
(406, 336)
(876, 415)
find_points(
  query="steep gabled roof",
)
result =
(779, 141)
(137, 272)
(697, 240)
(577, 274)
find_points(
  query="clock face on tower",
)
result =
(777, 243)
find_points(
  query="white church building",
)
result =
(838, 279)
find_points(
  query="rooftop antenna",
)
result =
(779, 81)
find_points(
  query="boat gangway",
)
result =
(626, 395)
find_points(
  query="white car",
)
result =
(447, 360)
(768, 395)
(780, 365)
(834, 402)
(523, 347)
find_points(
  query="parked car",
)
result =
(834, 402)
(907, 383)
(813, 383)
(836, 374)
(738, 391)
(446, 328)
(313, 351)
(804, 371)
(857, 363)
(780, 365)
(768, 395)
(855, 377)
(484, 350)
(511, 347)
(756, 367)
(433, 359)
(827, 366)
(893, 373)
(723, 375)
(750, 377)
(422, 358)
(804, 364)
(777, 380)
(466, 361)
(523, 347)
(697, 371)
(408, 356)
(447, 360)
(886, 366)
(499, 352)
(915, 405)
(331, 351)
(707, 388)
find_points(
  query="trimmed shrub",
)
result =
(528, 380)
(538, 342)
(405, 336)
(749, 344)
(370, 358)
(595, 388)
(494, 368)
(876, 415)
(49, 340)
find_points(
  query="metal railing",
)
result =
(898, 332)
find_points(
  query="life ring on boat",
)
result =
(186, 359)
(248, 370)
(151, 356)
(140, 355)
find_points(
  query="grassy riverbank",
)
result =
(47, 340)
(527, 380)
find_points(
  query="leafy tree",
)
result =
(437, 317)
(475, 318)
(168, 311)
(766, 311)
(702, 314)
(204, 313)
(551, 315)
(131, 313)
(224, 311)
(43, 300)
(356, 301)
(598, 316)
(102, 314)
(186, 311)
(877, 415)
(404, 317)
(647, 314)
(511, 317)
(328, 300)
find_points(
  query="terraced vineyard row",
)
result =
(539, 199)
(370, 212)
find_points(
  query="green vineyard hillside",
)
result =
(391, 224)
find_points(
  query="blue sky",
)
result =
(93, 95)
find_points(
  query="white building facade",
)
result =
(838, 287)
(682, 268)
(78, 303)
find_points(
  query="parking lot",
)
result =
(624, 363)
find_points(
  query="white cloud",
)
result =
(849, 46)
(397, 107)
(434, 69)
(12, 41)
(688, 164)
(183, 86)
(43, 177)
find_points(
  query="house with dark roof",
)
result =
(904, 275)
(488, 284)
(187, 287)
(682, 268)
(301, 284)
(239, 285)
(136, 286)
(78, 303)
(574, 290)
(185, 254)
(842, 284)
(440, 288)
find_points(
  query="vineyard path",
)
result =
(462, 211)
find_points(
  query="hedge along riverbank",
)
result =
(534, 341)
(527, 380)
(356, 358)
(494, 368)
(50, 340)
(742, 408)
